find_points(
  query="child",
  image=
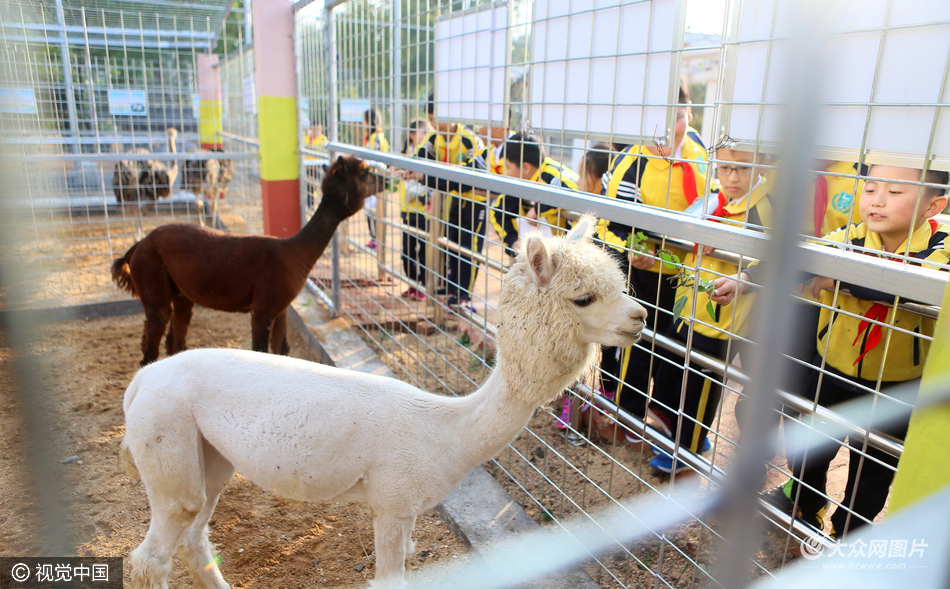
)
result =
(376, 140)
(644, 175)
(594, 165)
(412, 208)
(525, 158)
(852, 348)
(466, 206)
(744, 198)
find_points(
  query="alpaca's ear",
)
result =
(539, 260)
(337, 166)
(583, 229)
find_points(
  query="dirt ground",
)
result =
(264, 542)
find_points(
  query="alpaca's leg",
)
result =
(156, 319)
(278, 335)
(172, 473)
(410, 547)
(260, 331)
(196, 550)
(152, 560)
(392, 538)
(182, 309)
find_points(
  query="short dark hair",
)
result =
(372, 118)
(524, 148)
(936, 177)
(430, 105)
(684, 93)
(597, 160)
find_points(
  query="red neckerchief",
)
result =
(717, 215)
(821, 203)
(877, 312)
(689, 182)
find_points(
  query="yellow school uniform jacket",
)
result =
(433, 148)
(377, 142)
(505, 210)
(855, 346)
(754, 209)
(412, 198)
(466, 148)
(843, 196)
(633, 177)
(554, 173)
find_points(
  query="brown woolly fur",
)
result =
(523, 301)
(178, 266)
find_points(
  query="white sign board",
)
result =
(18, 100)
(889, 93)
(128, 102)
(600, 64)
(471, 53)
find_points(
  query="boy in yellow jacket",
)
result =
(851, 343)
(743, 199)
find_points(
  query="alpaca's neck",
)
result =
(308, 244)
(490, 418)
(494, 414)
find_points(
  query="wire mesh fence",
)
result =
(106, 136)
(675, 107)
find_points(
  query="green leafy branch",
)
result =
(682, 279)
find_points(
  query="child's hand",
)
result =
(726, 288)
(642, 260)
(820, 283)
(708, 249)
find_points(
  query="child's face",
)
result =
(888, 207)
(736, 172)
(513, 170)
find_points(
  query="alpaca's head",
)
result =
(347, 184)
(561, 299)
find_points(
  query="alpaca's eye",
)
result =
(584, 300)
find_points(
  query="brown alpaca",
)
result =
(178, 266)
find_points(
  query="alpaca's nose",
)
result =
(639, 313)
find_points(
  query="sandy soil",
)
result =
(264, 542)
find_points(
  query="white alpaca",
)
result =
(310, 432)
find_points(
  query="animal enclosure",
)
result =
(85, 87)
(90, 93)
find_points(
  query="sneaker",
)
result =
(419, 296)
(460, 303)
(667, 464)
(707, 447)
(441, 291)
(565, 419)
(409, 294)
(781, 497)
(371, 244)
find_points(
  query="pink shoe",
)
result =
(419, 296)
(565, 418)
(409, 294)
(371, 244)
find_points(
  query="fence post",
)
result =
(330, 37)
(68, 79)
(210, 122)
(273, 22)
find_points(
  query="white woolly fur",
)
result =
(311, 432)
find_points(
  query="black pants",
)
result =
(413, 248)
(869, 491)
(637, 372)
(703, 391)
(467, 229)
